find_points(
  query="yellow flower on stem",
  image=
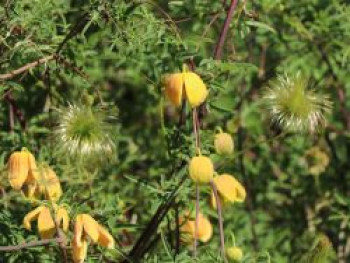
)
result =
(87, 228)
(201, 169)
(185, 85)
(46, 183)
(229, 190)
(21, 168)
(187, 229)
(46, 224)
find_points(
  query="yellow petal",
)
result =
(18, 167)
(52, 185)
(187, 231)
(32, 171)
(90, 227)
(229, 188)
(204, 232)
(78, 230)
(201, 169)
(196, 91)
(174, 87)
(31, 191)
(63, 218)
(79, 251)
(205, 229)
(46, 225)
(32, 215)
(105, 239)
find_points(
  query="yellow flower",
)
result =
(21, 168)
(234, 253)
(223, 143)
(185, 85)
(187, 229)
(201, 169)
(86, 226)
(229, 190)
(45, 183)
(46, 225)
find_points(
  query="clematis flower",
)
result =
(46, 225)
(45, 183)
(187, 230)
(185, 85)
(229, 190)
(223, 143)
(201, 169)
(87, 228)
(21, 168)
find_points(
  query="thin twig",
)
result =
(221, 220)
(25, 68)
(30, 244)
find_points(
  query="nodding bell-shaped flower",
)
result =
(46, 225)
(201, 169)
(234, 254)
(185, 85)
(21, 168)
(223, 143)
(45, 183)
(87, 227)
(229, 190)
(187, 229)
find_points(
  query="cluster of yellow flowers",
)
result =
(37, 182)
(189, 86)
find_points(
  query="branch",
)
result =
(31, 244)
(26, 67)
(223, 34)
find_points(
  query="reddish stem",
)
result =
(224, 30)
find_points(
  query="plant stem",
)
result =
(197, 143)
(30, 244)
(221, 226)
(196, 223)
(224, 30)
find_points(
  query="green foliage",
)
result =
(118, 52)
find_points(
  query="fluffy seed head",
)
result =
(84, 131)
(294, 106)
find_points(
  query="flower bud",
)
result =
(201, 169)
(234, 253)
(223, 143)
